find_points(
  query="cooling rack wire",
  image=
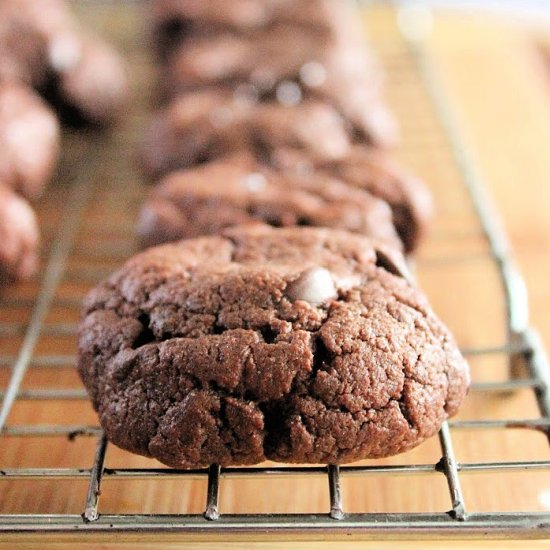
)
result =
(54, 459)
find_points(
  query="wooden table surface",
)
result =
(500, 89)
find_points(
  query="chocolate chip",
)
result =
(313, 74)
(314, 285)
(221, 117)
(391, 265)
(255, 182)
(288, 93)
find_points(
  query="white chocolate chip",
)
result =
(255, 182)
(348, 282)
(64, 52)
(246, 94)
(288, 93)
(221, 117)
(315, 286)
(313, 74)
(304, 168)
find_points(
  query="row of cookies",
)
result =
(51, 69)
(282, 324)
(289, 92)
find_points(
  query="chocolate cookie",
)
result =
(239, 190)
(22, 53)
(207, 125)
(92, 88)
(299, 345)
(266, 59)
(310, 136)
(29, 140)
(175, 20)
(285, 66)
(374, 171)
(172, 21)
(75, 70)
(19, 237)
(408, 196)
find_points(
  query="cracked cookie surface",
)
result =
(294, 344)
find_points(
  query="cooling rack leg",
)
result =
(449, 467)
(517, 309)
(212, 511)
(518, 357)
(537, 365)
(336, 511)
(92, 498)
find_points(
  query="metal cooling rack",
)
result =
(85, 190)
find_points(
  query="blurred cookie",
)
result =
(176, 20)
(374, 171)
(77, 71)
(207, 125)
(238, 190)
(19, 237)
(29, 140)
(92, 88)
(23, 55)
(287, 67)
(264, 60)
